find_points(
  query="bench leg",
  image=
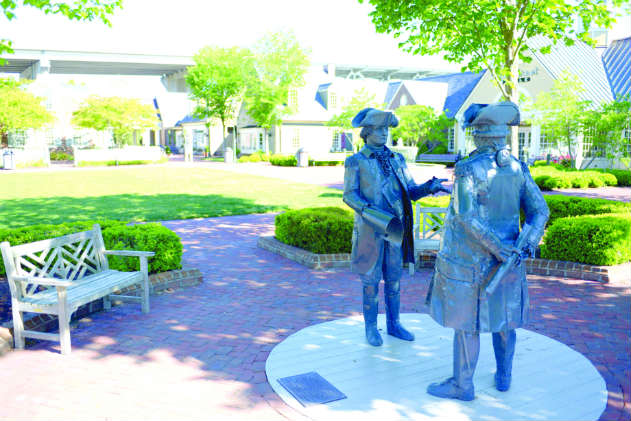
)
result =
(63, 316)
(107, 302)
(144, 268)
(18, 326)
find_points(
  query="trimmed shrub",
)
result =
(623, 177)
(325, 230)
(554, 176)
(325, 163)
(145, 237)
(590, 239)
(564, 206)
(283, 160)
(540, 163)
(255, 157)
(60, 156)
(115, 163)
(116, 235)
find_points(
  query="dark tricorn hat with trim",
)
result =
(374, 117)
(491, 120)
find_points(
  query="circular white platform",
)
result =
(550, 380)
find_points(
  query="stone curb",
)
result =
(613, 275)
(304, 257)
(159, 284)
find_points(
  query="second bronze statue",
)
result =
(379, 187)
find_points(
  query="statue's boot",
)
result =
(504, 347)
(371, 306)
(392, 296)
(460, 386)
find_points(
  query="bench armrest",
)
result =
(129, 253)
(40, 280)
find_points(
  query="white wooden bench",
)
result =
(59, 275)
(428, 227)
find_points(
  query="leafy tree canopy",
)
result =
(280, 64)
(362, 98)
(562, 112)
(75, 10)
(121, 115)
(19, 109)
(421, 126)
(611, 126)
(488, 34)
(217, 81)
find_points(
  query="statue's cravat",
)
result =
(383, 158)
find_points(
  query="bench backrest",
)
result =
(69, 257)
(430, 222)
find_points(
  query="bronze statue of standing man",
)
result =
(479, 282)
(379, 187)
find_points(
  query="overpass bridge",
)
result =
(30, 63)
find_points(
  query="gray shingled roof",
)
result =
(580, 60)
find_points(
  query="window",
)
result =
(545, 140)
(17, 139)
(332, 100)
(451, 139)
(199, 139)
(336, 142)
(523, 138)
(468, 140)
(295, 138)
(588, 142)
(293, 98)
(626, 134)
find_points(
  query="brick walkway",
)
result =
(201, 352)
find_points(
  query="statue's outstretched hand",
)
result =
(436, 185)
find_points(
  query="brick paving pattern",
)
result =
(201, 351)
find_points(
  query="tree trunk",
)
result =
(208, 134)
(514, 98)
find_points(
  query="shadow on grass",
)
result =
(126, 207)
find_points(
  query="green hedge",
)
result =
(116, 235)
(115, 163)
(591, 239)
(313, 163)
(623, 176)
(563, 206)
(255, 157)
(145, 237)
(283, 160)
(549, 177)
(325, 230)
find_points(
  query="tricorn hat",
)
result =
(491, 120)
(373, 117)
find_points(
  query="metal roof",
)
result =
(617, 62)
(460, 86)
(580, 60)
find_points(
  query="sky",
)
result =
(335, 31)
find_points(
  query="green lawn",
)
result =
(148, 194)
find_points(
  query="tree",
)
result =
(610, 123)
(77, 10)
(217, 81)
(488, 34)
(421, 126)
(19, 109)
(361, 99)
(562, 111)
(121, 115)
(280, 64)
